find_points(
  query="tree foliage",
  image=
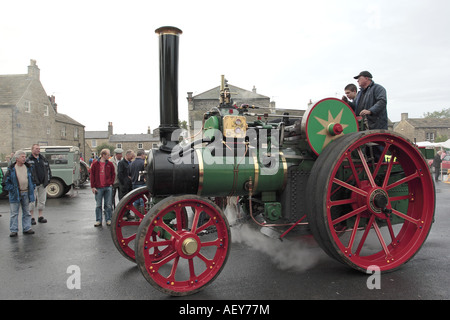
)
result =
(444, 113)
(105, 146)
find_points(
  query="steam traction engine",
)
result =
(366, 196)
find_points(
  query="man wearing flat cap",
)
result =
(371, 101)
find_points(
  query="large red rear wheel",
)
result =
(371, 200)
(180, 257)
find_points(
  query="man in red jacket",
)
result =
(102, 178)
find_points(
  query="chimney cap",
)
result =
(168, 30)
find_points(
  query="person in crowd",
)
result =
(18, 181)
(137, 179)
(437, 165)
(350, 91)
(115, 161)
(124, 175)
(41, 175)
(102, 179)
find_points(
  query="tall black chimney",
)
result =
(168, 85)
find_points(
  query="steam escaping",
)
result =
(295, 255)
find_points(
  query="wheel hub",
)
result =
(189, 246)
(378, 200)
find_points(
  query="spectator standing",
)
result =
(41, 175)
(19, 183)
(124, 175)
(136, 168)
(125, 184)
(102, 179)
(437, 165)
(115, 160)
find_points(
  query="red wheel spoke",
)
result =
(398, 198)
(333, 203)
(165, 260)
(195, 219)
(352, 166)
(366, 233)
(350, 187)
(135, 211)
(350, 214)
(179, 218)
(391, 230)
(173, 271)
(129, 223)
(388, 172)
(404, 180)
(405, 217)
(215, 243)
(127, 240)
(366, 167)
(153, 244)
(380, 161)
(380, 238)
(354, 231)
(191, 269)
(205, 225)
(167, 228)
(205, 260)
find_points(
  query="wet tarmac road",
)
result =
(36, 266)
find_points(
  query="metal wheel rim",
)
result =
(124, 242)
(401, 243)
(162, 260)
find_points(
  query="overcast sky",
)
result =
(100, 58)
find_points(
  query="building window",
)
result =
(75, 133)
(63, 132)
(94, 143)
(48, 131)
(27, 106)
(140, 146)
(119, 145)
(45, 111)
(430, 136)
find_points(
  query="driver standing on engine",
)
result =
(371, 101)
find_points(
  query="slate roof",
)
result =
(66, 119)
(429, 123)
(237, 94)
(12, 88)
(132, 137)
(96, 135)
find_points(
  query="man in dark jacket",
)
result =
(102, 179)
(124, 175)
(137, 179)
(41, 175)
(437, 165)
(371, 101)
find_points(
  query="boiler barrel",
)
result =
(200, 172)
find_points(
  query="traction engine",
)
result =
(366, 196)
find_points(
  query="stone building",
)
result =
(423, 129)
(203, 102)
(145, 141)
(30, 116)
